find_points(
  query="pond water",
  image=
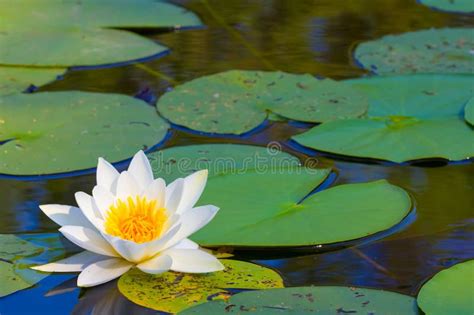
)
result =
(301, 36)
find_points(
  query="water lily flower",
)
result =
(134, 220)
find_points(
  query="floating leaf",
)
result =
(63, 47)
(94, 13)
(447, 50)
(17, 254)
(178, 162)
(393, 138)
(268, 210)
(173, 292)
(54, 132)
(16, 79)
(459, 6)
(449, 291)
(312, 300)
(419, 95)
(469, 111)
(237, 101)
(410, 117)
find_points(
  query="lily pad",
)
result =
(17, 254)
(95, 13)
(16, 79)
(235, 102)
(469, 111)
(181, 161)
(55, 132)
(63, 47)
(172, 292)
(459, 6)
(418, 95)
(393, 138)
(410, 117)
(270, 209)
(448, 50)
(312, 300)
(449, 291)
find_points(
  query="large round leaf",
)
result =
(62, 47)
(459, 6)
(469, 111)
(177, 162)
(236, 101)
(55, 132)
(393, 138)
(312, 300)
(94, 13)
(446, 50)
(266, 209)
(421, 96)
(450, 291)
(16, 79)
(173, 292)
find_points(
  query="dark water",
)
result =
(295, 36)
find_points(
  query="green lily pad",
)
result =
(459, 6)
(265, 209)
(418, 95)
(447, 50)
(178, 162)
(469, 111)
(173, 292)
(312, 300)
(393, 138)
(17, 254)
(410, 117)
(235, 102)
(95, 13)
(63, 47)
(450, 291)
(55, 132)
(16, 80)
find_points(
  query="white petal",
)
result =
(186, 244)
(192, 221)
(127, 186)
(103, 199)
(193, 187)
(174, 193)
(156, 265)
(193, 261)
(156, 190)
(106, 174)
(88, 239)
(72, 264)
(66, 215)
(103, 271)
(89, 209)
(140, 169)
(136, 252)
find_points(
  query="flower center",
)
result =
(135, 219)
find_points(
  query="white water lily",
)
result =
(133, 220)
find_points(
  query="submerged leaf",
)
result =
(173, 292)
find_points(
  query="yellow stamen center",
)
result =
(135, 219)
